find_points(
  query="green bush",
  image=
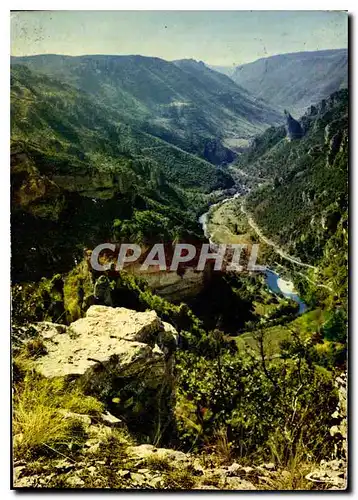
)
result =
(269, 410)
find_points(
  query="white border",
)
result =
(180, 5)
(4, 183)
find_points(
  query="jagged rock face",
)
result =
(171, 285)
(216, 153)
(32, 192)
(336, 138)
(333, 473)
(339, 430)
(121, 356)
(101, 185)
(102, 291)
(294, 129)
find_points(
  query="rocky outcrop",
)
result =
(121, 356)
(173, 286)
(336, 138)
(143, 467)
(339, 430)
(32, 192)
(216, 153)
(294, 129)
(102, 291)
(146, 467)
(92, 184)
(333, 473)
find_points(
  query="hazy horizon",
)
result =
(218, 38)
(171, 60)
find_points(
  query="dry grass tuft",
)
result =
(38, 424)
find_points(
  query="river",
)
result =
(285, 287)
(274, 281)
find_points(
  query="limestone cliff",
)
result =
(294, 129)
(122, 357)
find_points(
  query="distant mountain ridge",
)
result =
(182, 102)
(225, 70)
(294, 80)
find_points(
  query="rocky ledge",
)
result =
(114, 351)
(146, 467)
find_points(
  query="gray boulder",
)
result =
(118, 355)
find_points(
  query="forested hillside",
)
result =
(295, 80)
(73, 157)
(184, 103)
(305, 206)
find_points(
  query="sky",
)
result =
(215, 37)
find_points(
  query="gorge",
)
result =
(155, 377)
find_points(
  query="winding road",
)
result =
(258, 231)
(271, 243)
(279, 250)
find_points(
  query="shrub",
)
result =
(179, 479)
(35, 347)
(77, 287)
(158, 463)
(270, 410)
